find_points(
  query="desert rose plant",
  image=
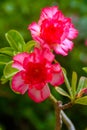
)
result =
(32, 67)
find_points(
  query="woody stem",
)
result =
(60, 115)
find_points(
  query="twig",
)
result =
(67, 121)
(57, 106)
(59, 113)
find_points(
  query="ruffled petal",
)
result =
(39, 95)
(67, 44)
(35, 31)
(18, 60)
(64, 47)
(45, 53)
(34, 28)
(59, 15)
(57, 77)
(48, 12)
(73, 33)
(18, 84)
(48, 55)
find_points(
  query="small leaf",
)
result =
(9, 71)
(74, 83)
(4, 80)
(82, 100)
(85, 69)
(62, 92)
(67, 82)
(15, 40)
(82, 83)
(4, 59)
(7, 50)
(29, 46)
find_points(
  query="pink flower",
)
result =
(36, 70)
(86, 42)
(54, 31)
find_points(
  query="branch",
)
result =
(57, 106)
(67, 121)
(59, 113)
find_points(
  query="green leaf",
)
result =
(82, 100)
(67, 82)
(29, 46)
(4, 59)
(4, 80)
(62, 92)
(7, 50)
(85, 69)
(9, 71)
(15, 40)
(82, 83)
(74, 83)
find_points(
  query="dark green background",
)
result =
(18, 112)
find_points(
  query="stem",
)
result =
(67, 121)
(68, 105)
(57, 106)
(59, 113)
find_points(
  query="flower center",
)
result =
(51, 31)
(35, 73)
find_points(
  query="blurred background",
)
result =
(18, 112)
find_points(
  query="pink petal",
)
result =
(72, 33)
(58, 77)
(48, 12)
(45, 53)
(39, 95)
(35, 31)
(18, 60)
(28, 59)
(64, 47)
(18, 84)
(48, 54)
(17, 65)
(58, 15)
(68, 44)
(34, 28)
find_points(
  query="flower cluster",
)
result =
(38, 68)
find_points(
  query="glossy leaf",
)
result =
(82, 83)
(7, 50)
(62, 92)
(4, 59)
(9, 71)
(85, 69)
(74, 83)
(29, 46)
(15, 40)
(82, 100)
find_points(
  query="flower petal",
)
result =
(64, 47)
(39, 95)
(45, 53)
(18, 60)
(58, 77)
(72, 32)
(48, 55)
(48, 12)
(35, 31)
(18, 84)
